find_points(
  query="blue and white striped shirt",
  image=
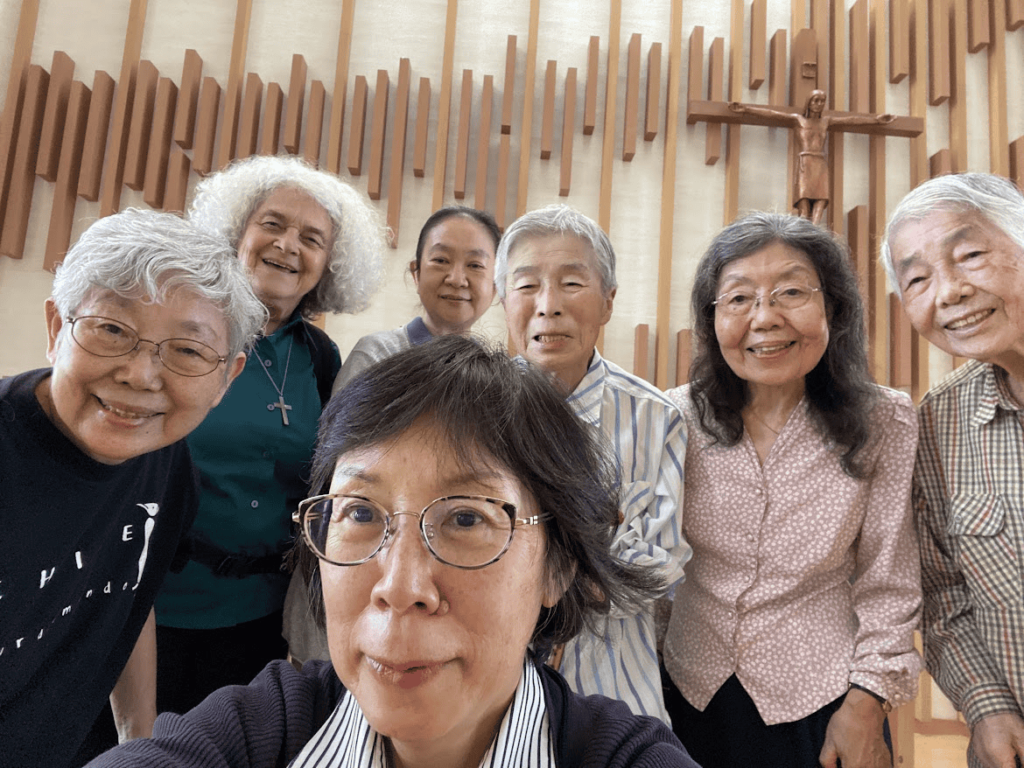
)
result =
(647, 434)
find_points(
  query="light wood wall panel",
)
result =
(159, 149)
(140, 126)
(273, 108)
(292, 134)
(378, 127)
(62, 71)
(188, 99)
(65, 190)
(396, 175)
(100, 107)
(26, 150)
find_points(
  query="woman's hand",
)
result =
(854, 734)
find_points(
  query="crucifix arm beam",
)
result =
(719, 112)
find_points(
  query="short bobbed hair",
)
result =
(555, 220)
(224, 201)
(143, 255)
(442, 215)
(497, 413)
(839, 389)
(993, 197)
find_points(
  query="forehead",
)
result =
(775, 261)
(551, 253)
(295, 204)
(461, 226)
(181, 312)
(937, 234)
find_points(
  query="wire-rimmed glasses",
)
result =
(105, 337)
(743, 301)
(463, 531)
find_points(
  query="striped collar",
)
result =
(347, 740)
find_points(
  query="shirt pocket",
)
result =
(985, 550)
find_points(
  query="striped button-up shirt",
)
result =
(647, 434)
(969, 500)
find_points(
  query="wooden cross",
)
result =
(284, 409)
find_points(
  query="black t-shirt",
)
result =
(84, 547)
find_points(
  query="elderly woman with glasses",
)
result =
(464, 531)
(792, 635)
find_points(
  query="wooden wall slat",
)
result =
(998, 130)
(958, 87)
(547, 120)
(462, 136)
(1014, 14)
(652, 106)
(683, 356)
(233, 94)
(292, 136)
(611, 100)
(10, 118)
(777, 57)
(820, 25)
(501, 188)
(837, 99)
(758, 43)
(938, 52)
(444, 106)
(803, 67)
(178, 167)
(716, 92)
(919, 90)
(315, 122)
(141, 125)
(249, 120)
(378, 127)
(206, 126)
(419, 155)
(695, 68)
(188, 100)
(941, 163)
(273, 107)
(860, 63)
(357, 128)
(62, 72)
(509, 94)
(732, 133)
(860, 247)
(113, 170)
(65, 189)
(26, 150)
(878, 311)
(641, 348)
(631, 114)
(155, 180)
(978, 24)
(484, 143)
(1017, 161)
(526, 127)
(590, 94)
(568, 126)
(899, 40)
(900, 375)
(337, 124)
(100, 106)
(399, 129)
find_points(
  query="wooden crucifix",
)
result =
(812, 125)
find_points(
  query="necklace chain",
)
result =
(281, 404)
(770, 428)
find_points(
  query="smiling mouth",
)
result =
(770, 349)
(972, 319)
(280, 266)
(406, 675)
(547, 338)
(131, 415)
(456, 298)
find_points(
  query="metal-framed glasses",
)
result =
(743, 301)
(105, 337)
(464, 531)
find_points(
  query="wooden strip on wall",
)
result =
(879, 306)
(233, 95)
(632, 112)
(777, 57)
(337, 125)
(509, 95)
(178, 168)
(292, 138)
(399, 129)
(526, 128)
(683, 355)
(939, 52)
(62, 72)
(918, 88)
(10, 119)
(958, 87)
(270, 138)
(998, 131)
(735, 91)
(900, 375)
(1017, 161)
(155, 180)
(444, 107)
(716, 91)
(568, 125)
(315, 123)
(206, 126)
(590, 95)
(837, 99)
(462, 138)
(65, 189)
(978, 30)
(501, 188)
(100, 105)
(26, 150)
(860, 247)
(249, 121)
(820, 25)
(1014, 14)
(668, 197)
(419, 153)
(611, 99)
(357, 128)
(113, 171)
(652, 111)
(695, 69)
(758, 43)
(641, 348)
(547, 120)
(484, 142)
(803, 72)
(941, 163)
(141, 124)
(375, 173)
(188, 100)
(899, 40)
(860, 60)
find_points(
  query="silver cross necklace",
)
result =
(284, 379)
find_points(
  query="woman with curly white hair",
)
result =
(311, 244)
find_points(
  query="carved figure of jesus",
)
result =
(811, 128)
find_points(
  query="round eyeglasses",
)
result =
(464, 531)
(745, 301)
(104, 337)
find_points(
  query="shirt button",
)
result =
(266, 454)
(270, 406)
(268, 363)
(254, 503)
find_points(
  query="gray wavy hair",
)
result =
(143, 255)
(993, 197)
(224, 202)
(556, 220)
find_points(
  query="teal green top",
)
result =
(254, 470)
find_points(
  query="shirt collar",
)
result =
(585, 400)
(418, 332)
(995, 393)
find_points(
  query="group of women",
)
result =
(789, 637)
